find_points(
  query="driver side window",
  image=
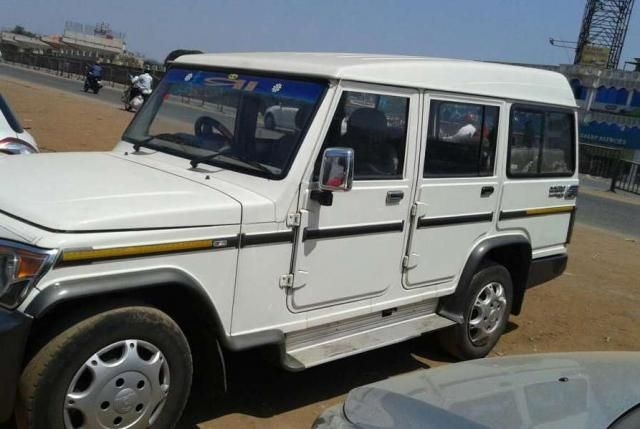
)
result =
(375, 127)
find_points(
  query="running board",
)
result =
(314, 346)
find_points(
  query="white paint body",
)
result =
(335, 280)
(6, 131)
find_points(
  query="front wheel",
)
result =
(488, 305)
(125, 368)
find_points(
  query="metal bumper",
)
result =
(14, 329)
(544, 269)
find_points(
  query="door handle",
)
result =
(486, 191)
(394, 197)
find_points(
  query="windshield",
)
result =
(236, 121)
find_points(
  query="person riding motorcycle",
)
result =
(141, 85)
(93, 78)
(95, 70)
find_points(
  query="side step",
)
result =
(325, 343)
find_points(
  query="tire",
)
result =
(144, 372)
(86, 88)
(477, 335)
(269, 122)
(96, 90)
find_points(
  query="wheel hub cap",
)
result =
(124, 385)
(125, 400)
(488, 311)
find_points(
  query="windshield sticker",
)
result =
(225, 81)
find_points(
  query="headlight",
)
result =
(20, 267)
(13, 146)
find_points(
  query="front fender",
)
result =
(137, 281)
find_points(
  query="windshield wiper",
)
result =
(165, 136)
(253, 164)
(194, 162)
(141, 142)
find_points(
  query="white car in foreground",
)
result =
(14, 140)
(559, 390)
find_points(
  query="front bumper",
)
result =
(14, 329)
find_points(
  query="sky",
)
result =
(497, 30)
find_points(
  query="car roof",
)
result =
(458, 76)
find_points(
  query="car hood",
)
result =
(576, 390)
(79, 192)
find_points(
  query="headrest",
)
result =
(368, 119)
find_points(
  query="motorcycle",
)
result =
(92, 83)
(131, 104)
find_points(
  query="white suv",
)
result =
(407, 195)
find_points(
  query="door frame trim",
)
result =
(349, 231)
(454, 220)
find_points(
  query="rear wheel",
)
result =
(488, 305)
(124, 368)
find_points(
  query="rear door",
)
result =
(457, 189)
(541, 178)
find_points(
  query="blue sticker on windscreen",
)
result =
(274, 86)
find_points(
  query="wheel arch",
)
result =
(511, 251)
(169, 289)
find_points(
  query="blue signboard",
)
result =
(608, 134)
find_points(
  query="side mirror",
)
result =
(336, 170)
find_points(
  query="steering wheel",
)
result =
(204, 128)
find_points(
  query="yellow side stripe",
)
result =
(119, 252)
(550, 210)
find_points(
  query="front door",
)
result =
(352, 250)
(457, 192)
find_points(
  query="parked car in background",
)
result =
(14, 140)
(279, 116)
(565, 390)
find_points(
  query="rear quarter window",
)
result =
(541, 142)
(9, 116)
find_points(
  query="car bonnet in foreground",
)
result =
(576, 390)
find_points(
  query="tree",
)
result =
(19, 29)
(178, 52)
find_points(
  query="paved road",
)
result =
(606, 213)
(108, 94)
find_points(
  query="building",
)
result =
(77, 42)
(609, 103)
(97, 41)
(19, 43)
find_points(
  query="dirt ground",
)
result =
(595, 305)
(61, 121)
